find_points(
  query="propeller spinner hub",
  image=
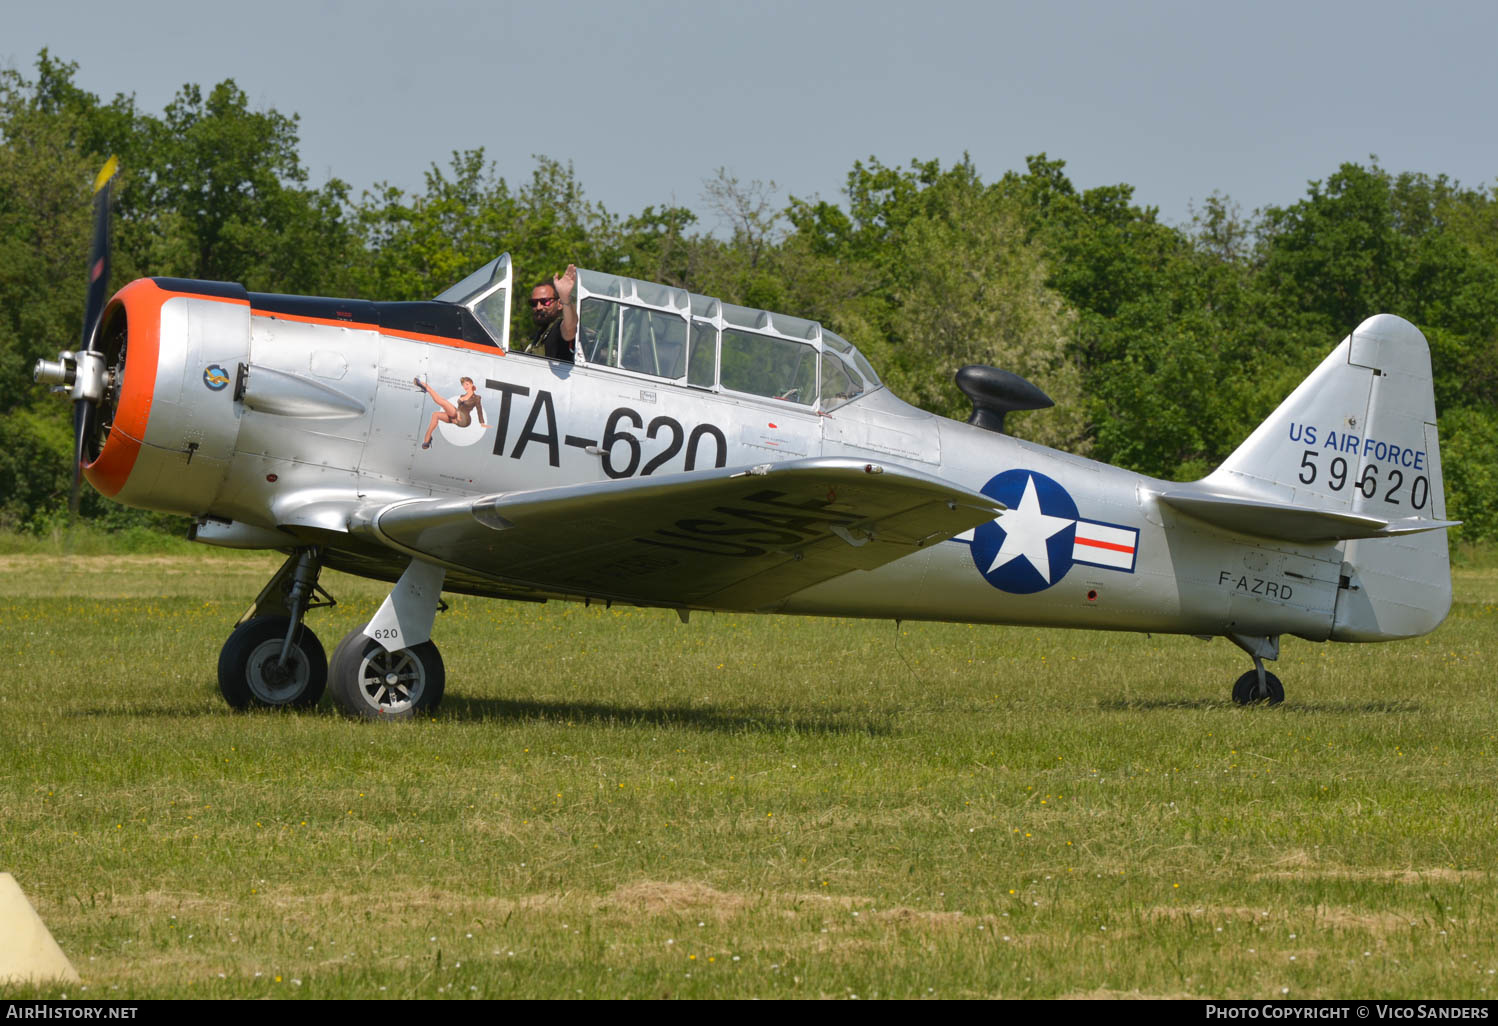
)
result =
(58, 373)
(90, 376)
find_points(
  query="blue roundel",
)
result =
(215, 377)
(1029, 547)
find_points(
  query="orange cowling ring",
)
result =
(140, 304)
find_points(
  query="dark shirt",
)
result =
(548, 341)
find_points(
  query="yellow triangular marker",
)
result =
(27, 951)
(106, 173)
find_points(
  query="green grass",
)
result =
(83, 539)
(613, 804)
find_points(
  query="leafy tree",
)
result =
(744, 267)
(654, 246)
(1367, 241)
(221, 194)
(1167, 335)
(1469, 461)
(214, 190)
(44, 238)
(419, 245)
(415, 246)
(971, 289)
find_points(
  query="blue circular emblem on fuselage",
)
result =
(1029, 547)
(215, 377)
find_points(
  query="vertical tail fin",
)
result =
(1359, 436)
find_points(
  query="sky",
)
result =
(648, 98)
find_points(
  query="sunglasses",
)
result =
(544, 302)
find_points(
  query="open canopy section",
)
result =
(665, 333)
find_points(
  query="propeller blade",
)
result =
(84, 412)
(83, 426)
(98, 257)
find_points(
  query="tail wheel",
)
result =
(373, 684)
(1246, 689)
(250, 671)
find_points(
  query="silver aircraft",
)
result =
(703, 456)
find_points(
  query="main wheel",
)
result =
(373, 684)
(250, 672)
(1246, 689)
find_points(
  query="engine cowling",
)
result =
(169, 420)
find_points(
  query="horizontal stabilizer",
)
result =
(1264, 519)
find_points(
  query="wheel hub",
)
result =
(272, 681)
(391, 681)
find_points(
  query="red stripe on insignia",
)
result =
(1104, 545)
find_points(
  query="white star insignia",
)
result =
(1026, 531)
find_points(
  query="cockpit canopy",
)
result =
(665, 333)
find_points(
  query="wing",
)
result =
(736, 538)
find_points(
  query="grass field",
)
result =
(611, 803)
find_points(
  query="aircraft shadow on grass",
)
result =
(515, 710)
(1148, 705)
(710, 719)
(757, 721)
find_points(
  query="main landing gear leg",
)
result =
(272, 659)
(1258, 684)
(389, 669)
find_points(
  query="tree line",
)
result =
(1163, 345)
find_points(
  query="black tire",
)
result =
(249, 672)
(362, 672)
(1246, 689)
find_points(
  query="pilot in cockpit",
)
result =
(555, 315)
